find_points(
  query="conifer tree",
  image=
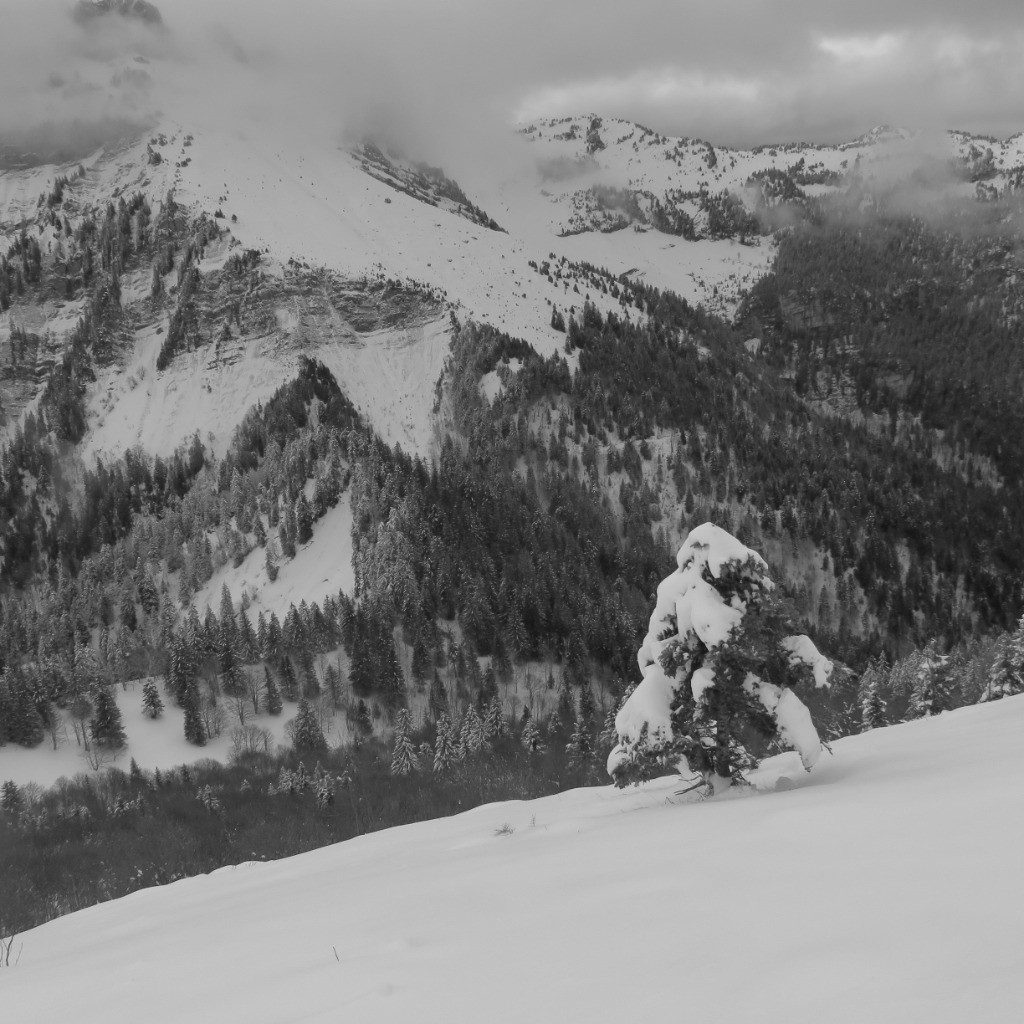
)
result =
(363, 720)
(404, 760)
(472, 731)
(272, 696)
(11, 800)
(494, 720)
(444, 746)
(247, 645)
(719, 664)
(195, 731)
(1006, 678)
(303, 521)
(106, 727)
(307, 736)
(310, 683)
(933, 685)
(872, 705)
(289, 684)
(270, 562)
(152, 705)
(261, 635)
(531, 738)
(580, 747)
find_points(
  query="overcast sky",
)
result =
(732, 71)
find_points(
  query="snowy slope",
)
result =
(882, 888)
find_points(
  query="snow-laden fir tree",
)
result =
(719, 664)
(494, 719)
(471, 734)
(106, 727)
(580, 747)
(933, 684)
(11, 800)
(152, 705)
(444, 746)
(873, 708)
(195, 731)
(271, 694)
(531, 738)
(306, 734)
(1007, 676)
(404, 760)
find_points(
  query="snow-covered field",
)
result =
(883, 887)
(158, 743)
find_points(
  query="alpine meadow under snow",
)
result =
(460, 570)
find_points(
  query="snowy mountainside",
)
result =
(322, 206)
(872, 889)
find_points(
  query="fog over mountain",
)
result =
(739, 72)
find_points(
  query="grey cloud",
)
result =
(445, 71)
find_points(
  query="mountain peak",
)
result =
(88, 11)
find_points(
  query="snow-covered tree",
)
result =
(471, 735)
(580, 747)
(1007, 676)
(152, 705)
(195, 731)
(271, 694)
(444, 746)
(719, 664)
(404, 760)
(11, 799)
(531, 738)
(305, 730)
(933, 684)
(872, 704)
(494, 719)
(106, 727)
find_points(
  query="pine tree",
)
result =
(719, 664)
(932, 693)
(248, 648)
(270, 562)
(195, 731)
(588, 711)
(580, 747)
(531, 738)
(303, 521)
(272, 696)
(152, 705)
(307, 736)
(444, 746)
(1007, 676)
(310, 683)
(471, 734)
(494, 720)
(11, 800)
(289, 683)
(106, 727)
(873, 708)
(403, 759)
(437, 698)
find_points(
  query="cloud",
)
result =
(454, 72)
(862, 48)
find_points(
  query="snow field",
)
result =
(879, 888)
